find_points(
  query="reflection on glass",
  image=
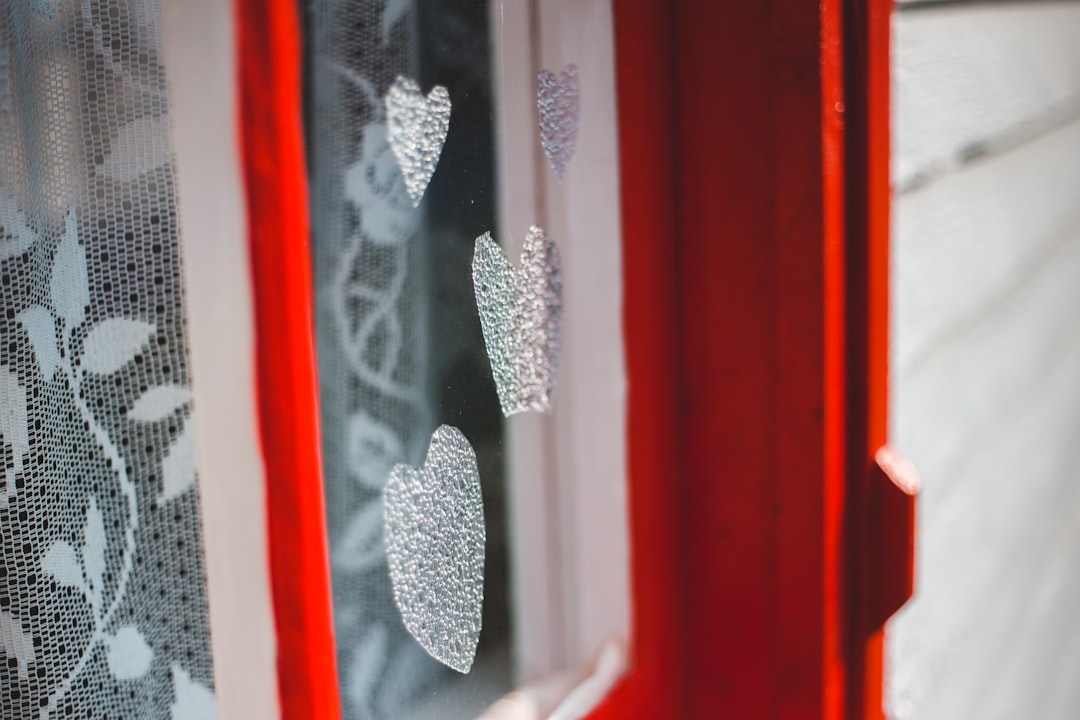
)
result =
(399, 341)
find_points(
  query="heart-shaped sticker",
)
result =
(558, 101)
(521, 318)
(434, 518)
(417, 131)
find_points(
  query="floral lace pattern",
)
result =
(371, 319)
(399, 340)
(102, 589)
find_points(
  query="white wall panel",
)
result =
(965, 74)
(961, 243)
(985, 358)
(992, 421)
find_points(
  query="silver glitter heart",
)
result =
(559, 104)
(417, 131)
(521, 318)
(435, 536)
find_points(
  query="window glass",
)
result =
(399, 341)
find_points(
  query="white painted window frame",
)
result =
(200, 51)
(567, 470)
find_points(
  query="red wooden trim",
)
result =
(652, 687)
(786, 552)
(760, 241)
(271, 138)
(882, 509)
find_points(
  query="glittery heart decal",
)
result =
(418, 127)
(434, 519)
(521, 317)
(559, 104)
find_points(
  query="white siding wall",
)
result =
(986, 357)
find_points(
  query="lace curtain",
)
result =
(399, 343)
(371, 319)
(102, 592)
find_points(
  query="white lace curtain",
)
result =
(102, 593)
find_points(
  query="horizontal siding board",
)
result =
(965, 76)
(960, 396)
(985, 357)
(960, 244)
(916, 5)
(1041, 631)
(997, 565)
(1062, 691)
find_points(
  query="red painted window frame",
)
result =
(767, 549)
(271, 143)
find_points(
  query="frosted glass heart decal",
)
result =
(558, 101)
(521, 318)
(417, 131)
(435, 535)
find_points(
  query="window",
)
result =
(698, 526)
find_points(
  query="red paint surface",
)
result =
(271, 140)
(754, 148)
(882, 514)
(761, 304)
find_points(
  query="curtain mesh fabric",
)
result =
(371, 320)
(400, 345)
(102, 592)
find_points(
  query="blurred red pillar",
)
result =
(755, 145)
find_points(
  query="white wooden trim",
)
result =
(201, 64)
(564, 696)
(567, 470)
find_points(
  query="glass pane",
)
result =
(399, 341)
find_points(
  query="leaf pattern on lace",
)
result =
(191, 700)
(128, 655)
(41, 329)
(159, 402)
(16, 643)
(62, 564)
(13, 425)
(392, 13)
(373, 450)
(68, 283)
(178, 467)
(363, 675)
(93, 552)
(113, 343)
(406, 670)
(139, 147)
(375, 185)
(108, 347)
(361, 545)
